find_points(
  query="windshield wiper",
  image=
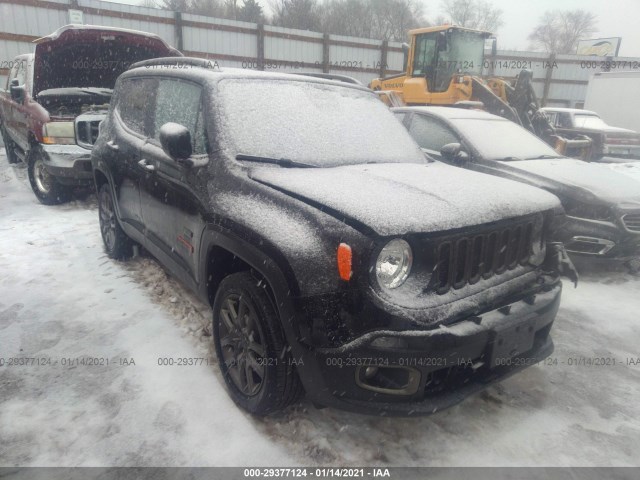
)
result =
(543, 157)
(283, 162)
(507, 159)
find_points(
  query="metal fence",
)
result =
(558, 81)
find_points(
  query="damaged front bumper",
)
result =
(70, 164)
(418, 372)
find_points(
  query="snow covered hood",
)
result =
(605, 184)
(91, 56)
(395, 199)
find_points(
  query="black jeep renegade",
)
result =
(337, 258)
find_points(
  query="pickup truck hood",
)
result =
(575, 178)
(90, 56)
(395, 199)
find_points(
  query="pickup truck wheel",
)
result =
(9, 147)
(116, 242)
(252, 351)
(44, 185)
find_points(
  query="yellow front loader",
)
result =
(443, 66)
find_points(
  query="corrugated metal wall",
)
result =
(559, 81)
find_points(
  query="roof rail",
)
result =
(179, 62)
(330, 76)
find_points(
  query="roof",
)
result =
(451, 113)
(442, 28)
(66, 28)
(209, 68)
(568, 110)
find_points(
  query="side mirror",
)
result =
(17, 91)
(453, 153)
(176, 141)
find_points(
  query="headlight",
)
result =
(61, 133)
(394, 263)
(575, 208)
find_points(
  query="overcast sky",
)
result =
(616, 18)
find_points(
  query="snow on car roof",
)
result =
(451, 112)
(210, 68)
(568, 110)
(61, 30)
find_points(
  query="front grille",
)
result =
(87, 132)
(465, 260)
(632, 221)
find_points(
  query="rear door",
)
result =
(128, 132)
(172, 207)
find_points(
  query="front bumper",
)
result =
(417, 372)
(583, 236)
(70, 164)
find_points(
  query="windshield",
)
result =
(313, 123)
(588, 121)
(502, 140)
(463, 53)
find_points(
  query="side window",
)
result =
(431, 134)
(552, 117)
(13, 73)
(563, 120)
(425, 54)
(133, 104)
(181, 102)
(400, 116)
(22, 72)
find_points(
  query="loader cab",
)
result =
(439, 53)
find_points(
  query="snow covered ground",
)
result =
(61, 298)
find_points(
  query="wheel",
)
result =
(116, 242)
(252, 351)
(47, 189)
(9, 146)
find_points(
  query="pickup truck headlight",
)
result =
(394, 263)
(58, 133)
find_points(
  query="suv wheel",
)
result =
(252, 351)
(47, 189)
(9, 146)
(116, 242)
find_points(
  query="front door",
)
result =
(171, 193)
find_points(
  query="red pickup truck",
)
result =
(55, 99)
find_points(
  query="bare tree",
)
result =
(477, 14)
(175, 5)
(379, 19)
(301, 14)
(148, 3)
(560, 30)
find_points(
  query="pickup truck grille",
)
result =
(87, 132)
(632, 221)
(465, 260)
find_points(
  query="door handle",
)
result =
(113, 146)
(148, 167)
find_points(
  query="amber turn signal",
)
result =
(344, 261)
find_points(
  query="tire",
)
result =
(116, 243)
(246, 326)
(9, 147)
(45, 186)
